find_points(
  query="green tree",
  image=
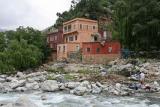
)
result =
(23, 55)
(22, 49)
(2, 42)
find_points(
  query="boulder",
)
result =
(21, 89)
(5, 102)
(50, 86)
(2, 80)
(16, 84)
(96, 89)
(11, 79)
(20, 74)
(30, 80)
(22, 102)
(62, 86)
(79, 91)
(156, 86)
(40, 78)
(99, 84)
(128, 67)
(32, 86)
(118, 86)
(5, 87)
(85, 84)
(72, 85)
(60, 78)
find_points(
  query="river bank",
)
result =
(84, 79)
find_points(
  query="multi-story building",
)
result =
(82, 40)
(75, 32)
(54, 37)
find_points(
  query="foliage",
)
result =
(136, 23)
(21, 49)
(92, 9)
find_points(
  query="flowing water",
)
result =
(68, 100)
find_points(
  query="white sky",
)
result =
(38, 14)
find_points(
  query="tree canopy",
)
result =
(22, 49)
(136, 23)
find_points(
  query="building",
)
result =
(95, 52)
(75, 32)
(84, 41)
(54, 37)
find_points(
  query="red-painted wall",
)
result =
(103, 49)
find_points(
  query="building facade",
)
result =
(84, 41)
(95, 52)
(54, 38)
(75, 32)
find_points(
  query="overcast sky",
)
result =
(35, 13)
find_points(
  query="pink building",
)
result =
(84, 41)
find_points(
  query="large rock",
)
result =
(40, 78)
(86, 84)
(84, 87)
(50, 86)
(20, 74)
(17, 83)
(60, 78)
(72, 85)
(79, 91)
(2, 80)
(5, 87)
(32, 86)
(11, 79)
(22, 102)
(96, 89)
(21, 89)
(118, 86)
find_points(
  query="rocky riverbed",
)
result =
(81, 80)
(68, 100)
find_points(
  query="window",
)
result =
(69, 28)
(74, 26)
(55, 38)
(87, 27)
(81, 26)
(94, 27)
(88, 49)
(75, 37)
(77, 48)
(51, 38)
(98, 50)
(64, 48)
(66, 39)
(109, 49)
(71, 38)
(51, 46)
(59, 48)
(95, 38)
(65, 29)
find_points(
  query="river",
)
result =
(68, 100)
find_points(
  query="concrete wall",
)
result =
(69, 47)
(99, 58)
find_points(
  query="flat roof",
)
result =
(80, 19)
